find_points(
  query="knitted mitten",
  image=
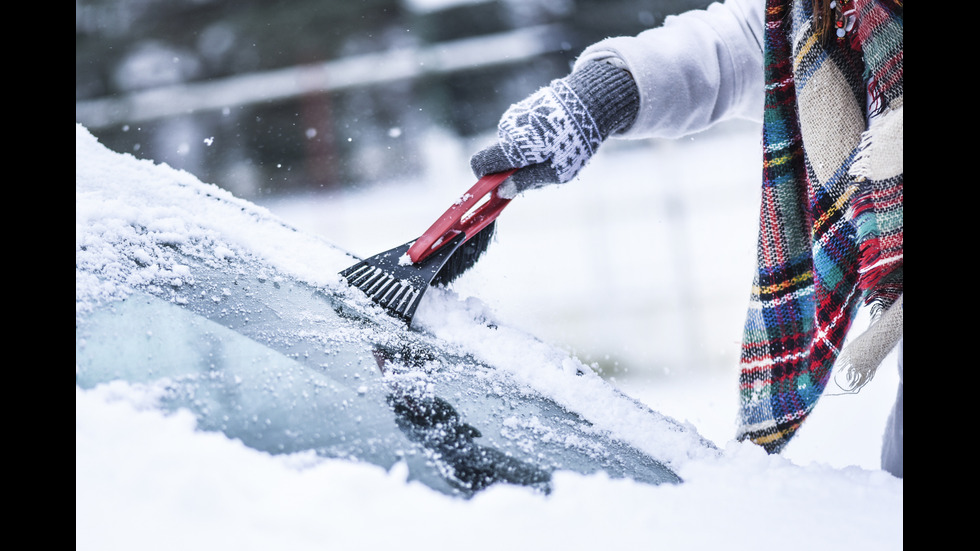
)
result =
(555, 131)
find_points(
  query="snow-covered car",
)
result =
(207, 303)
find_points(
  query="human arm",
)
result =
(697, 69)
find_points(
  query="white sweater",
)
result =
(698, 68)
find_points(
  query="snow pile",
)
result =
(106, 184)
(150, 481)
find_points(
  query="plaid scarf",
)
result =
(831, 217)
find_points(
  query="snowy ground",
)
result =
(639, 268)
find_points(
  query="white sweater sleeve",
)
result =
(698, 68)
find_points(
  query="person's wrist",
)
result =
(609, 93)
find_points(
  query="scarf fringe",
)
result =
(877, 171)
(859, 360)
(884, 136)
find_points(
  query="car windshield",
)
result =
(285, 368)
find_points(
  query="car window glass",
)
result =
(285, 367)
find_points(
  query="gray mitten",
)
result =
(554, 132)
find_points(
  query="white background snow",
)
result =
(641, 268)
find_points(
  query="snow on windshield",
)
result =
(149, 481)
(114, 194)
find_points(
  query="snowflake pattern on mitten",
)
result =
(551, 125)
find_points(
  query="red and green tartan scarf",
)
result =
(831, 217)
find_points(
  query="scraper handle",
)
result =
(475, 210)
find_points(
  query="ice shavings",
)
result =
(526, 431)
(470, 325)
(507, 190)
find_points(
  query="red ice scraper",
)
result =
(397, 278)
